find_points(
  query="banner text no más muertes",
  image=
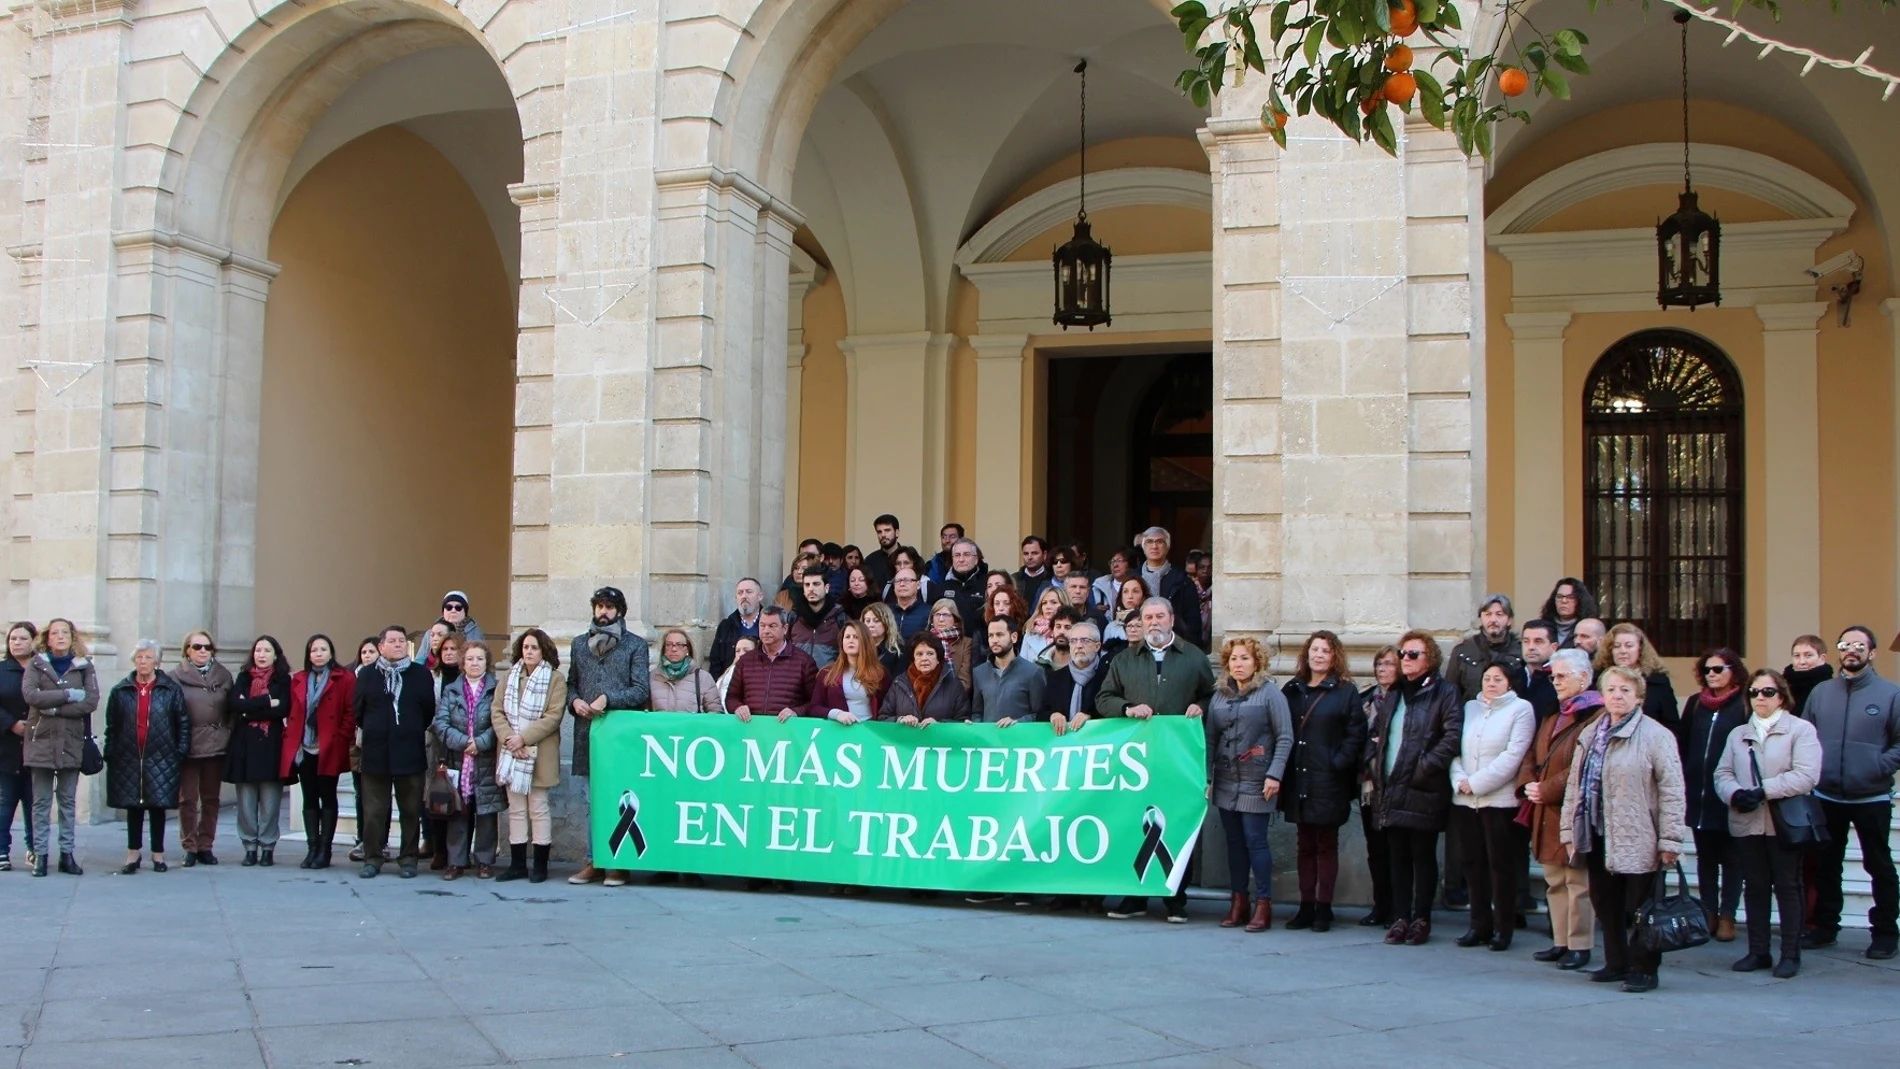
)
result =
(1111, 810)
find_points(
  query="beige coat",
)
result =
(544, 734)
(1790, 761)
(1643, 799)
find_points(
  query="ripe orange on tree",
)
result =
(1373, 101)
(1404, 18)
(1399, 59)
(1400, 88)
(1512, 81)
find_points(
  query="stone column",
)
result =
(1792, 464)
(806, 273)
(999, 438)
(897, 399)
(1246, 165)
(1537, 446)
(528, 598)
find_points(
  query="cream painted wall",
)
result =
(384, 475)
(1856, 418)
(821, 424)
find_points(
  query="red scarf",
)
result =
(1713, 700)
(922, 685)
(145, 706)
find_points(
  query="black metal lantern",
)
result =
(1688, 243)
(1082, 263)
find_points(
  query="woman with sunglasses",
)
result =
(207, 686)
(1775, 755)
(1414, 739)
(1707, 719)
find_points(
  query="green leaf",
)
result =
(1381, 16)
(1380, 126)
(1276, 23)
(1568, 43)
(1189, 9)
(1200, 95)
(1555, 82)
(1431, 98)
(1573, 64)
(1427, 12)
(1448, 18)
(1314, 35)
(1484, 139)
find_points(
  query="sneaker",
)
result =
(587, 874)
(6, 863)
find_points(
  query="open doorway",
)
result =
(1130, 445)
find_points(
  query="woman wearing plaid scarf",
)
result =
(528, 723)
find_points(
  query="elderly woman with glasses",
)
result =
(1708, 717)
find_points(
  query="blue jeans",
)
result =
(16, 793)
(1248, 846)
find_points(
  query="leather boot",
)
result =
(1725, 929)
(1236, 911)
(67, 865)
(326, 837)
(312, 833)
(1323, 917)
(1262, 918)
(540, 871)
(517, 864)
(1303, 919)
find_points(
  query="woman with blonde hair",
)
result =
(1249, 737)
(1329, 739)
(1039, 631)
(887, 638)
(1623, 820)
(1626, 645)
(207, 685)
(946, 622)
(680, 686)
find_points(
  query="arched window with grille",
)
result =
(1662, 486)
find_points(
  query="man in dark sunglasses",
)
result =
(1857, 715)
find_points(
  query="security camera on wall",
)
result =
(1844, 293)
(1846, 261)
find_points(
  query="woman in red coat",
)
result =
(317, 740)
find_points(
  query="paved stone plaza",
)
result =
(235, 967)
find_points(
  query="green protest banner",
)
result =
(1113, 809)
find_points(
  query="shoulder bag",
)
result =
(1800, 823)
(91, 761)
(1671, 922)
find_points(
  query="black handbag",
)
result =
(1671, 922)
(91, 761)
(1800, 822)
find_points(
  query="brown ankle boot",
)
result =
(1236, 912)
(1262, 915)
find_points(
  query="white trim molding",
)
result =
(1014, 226)
(1786, 187)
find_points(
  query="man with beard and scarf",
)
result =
(743, 622)
(1857, 715)
(1164, 676)
(606, 671)
(1070, 692)
(817, 617)
(394, 706)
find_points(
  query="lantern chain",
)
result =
(1082, 69)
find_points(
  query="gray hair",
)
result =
(1496, 599)
(1575, 661)
(1156, 532)
(1163, 602)
(777, 612)
(147, 644)
(971, 542)
(1090, 624)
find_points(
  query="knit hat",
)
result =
(455, 595)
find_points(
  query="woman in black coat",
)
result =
(148, 737)
(260, 703)
(1385, 675)
(944, 698)
(1707, 719)
(16, 781)
(1329, 739)
(1408, 760)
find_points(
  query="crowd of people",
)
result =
(1560, 740)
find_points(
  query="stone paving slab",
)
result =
(230, 967)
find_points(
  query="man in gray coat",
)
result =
(606, 671)
(1857, 716)
(1008, 688)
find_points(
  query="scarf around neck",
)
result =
(602, 641)
(922, 685)
(676, 670)
(1713, 700)
(392, 681)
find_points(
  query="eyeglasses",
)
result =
(1763, 692)
(1411, 655)
(1714, 669)
(1851, 647)
(1074, 641)
(200, 646)
(453, 607)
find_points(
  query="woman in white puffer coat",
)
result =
(1497, 734)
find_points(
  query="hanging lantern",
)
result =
(1082, 263)
(1688, 243)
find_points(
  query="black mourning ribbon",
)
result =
(1153, 824)
(629, 826)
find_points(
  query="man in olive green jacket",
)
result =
(1163, 676)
